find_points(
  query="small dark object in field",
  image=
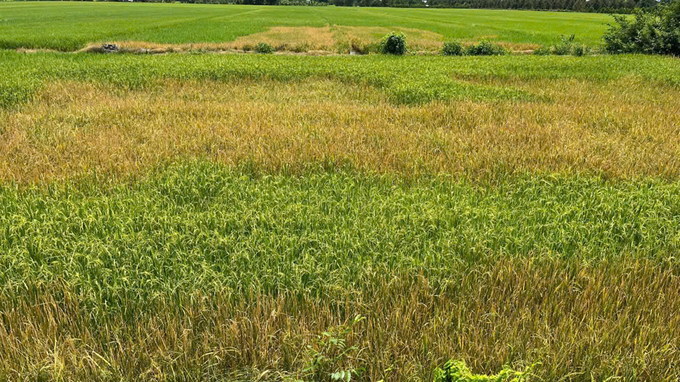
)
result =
(110, 48)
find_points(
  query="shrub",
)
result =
(542, 51)
(264, 48)
(485, 48)
(656, 31)
(393, 43)
(452, 48)
(580, 50)
(565, 46)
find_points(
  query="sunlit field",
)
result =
(203, 216)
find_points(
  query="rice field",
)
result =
(248, 217)
(70, 26)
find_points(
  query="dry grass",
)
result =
(158, 48)
(627, 129)
(581, 321)
(293, 39)
(417, 39)
(290, 38)
(310, 40)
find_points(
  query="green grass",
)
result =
(70, 26)
(408, 80)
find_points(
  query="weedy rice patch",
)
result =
(370, 36)
(313, 40)
(290, 38)
(624, 129)
(510, 313)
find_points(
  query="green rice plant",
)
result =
(28, 73)
(157, 266)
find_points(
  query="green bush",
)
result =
(264, 48)
(393, 43)
(542, 51)
(452, 48)
(486, 48)
(580, 50)
(565, 46)
(652, 32)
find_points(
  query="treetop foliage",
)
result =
(601, 6)
(655, 31)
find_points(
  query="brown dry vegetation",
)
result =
(290, 38)
(340, 39)
(616, 317)
(628, 130)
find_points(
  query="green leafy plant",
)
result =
(457, 371)
(486, 48)
(452, 48)
(655, 31)
(565, 46)
(580, 50)
(264, 48)
(327, 358)
(393, 43)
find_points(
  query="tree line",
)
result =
(605, 6)
(602, 6)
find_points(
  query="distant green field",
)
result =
(69, 26)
